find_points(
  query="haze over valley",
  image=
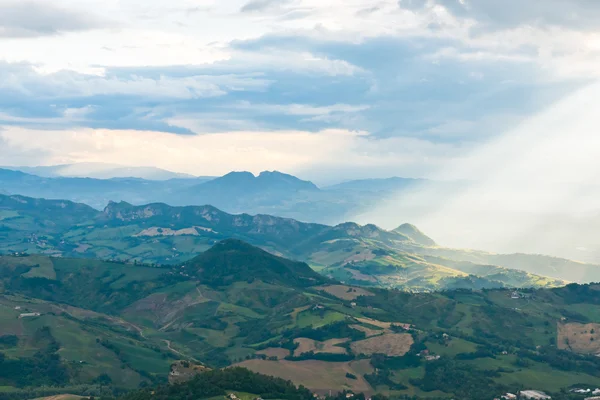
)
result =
(458, 213)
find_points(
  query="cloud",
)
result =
(23, 79)
(262, 5)
(23, 19)
(576, 14)
(300, 109)
(212, 154)
(412, 4)
(432, 71)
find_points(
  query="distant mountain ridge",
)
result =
(360, 254)
(415, 234)
(378, 185)
(271, 192)
(102, 171)
(266, 180)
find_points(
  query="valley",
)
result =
(111, 325)
(110, 300)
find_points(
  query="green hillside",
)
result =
(218, 384)
(106, 326)
(233, 260)
(160, 234)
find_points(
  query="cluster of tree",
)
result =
(563, 360)
(383, 362)
(44, 368)
(217, 382)
(329, 357)
(384, 377)
(92, 392)
(480, 352)
(8, 341)
(286, 338)
(460, 379)
(575, 294)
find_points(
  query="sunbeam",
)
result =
(531, 187)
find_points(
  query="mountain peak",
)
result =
(113, 205)
(275, 174)
(238, 175)
(233, 260)
(239, 184)
(291, 181)
(415, 234)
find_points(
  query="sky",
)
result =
(327, 90)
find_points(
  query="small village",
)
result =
(539, 395)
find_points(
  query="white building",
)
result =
(30, 315)
(534, 394)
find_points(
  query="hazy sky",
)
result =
(320, 88)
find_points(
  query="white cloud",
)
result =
(26, 80)
(186, 32)
(299, 109)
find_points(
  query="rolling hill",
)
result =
(367, 255)
(106, 325)
(233, 260)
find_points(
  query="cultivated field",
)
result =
(345, 292)
(318, 376)
(391, 344)
(374, 322)
(329, 346)
(579, 338)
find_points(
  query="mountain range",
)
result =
(403, 258)
(101, 171)
(270, 192)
